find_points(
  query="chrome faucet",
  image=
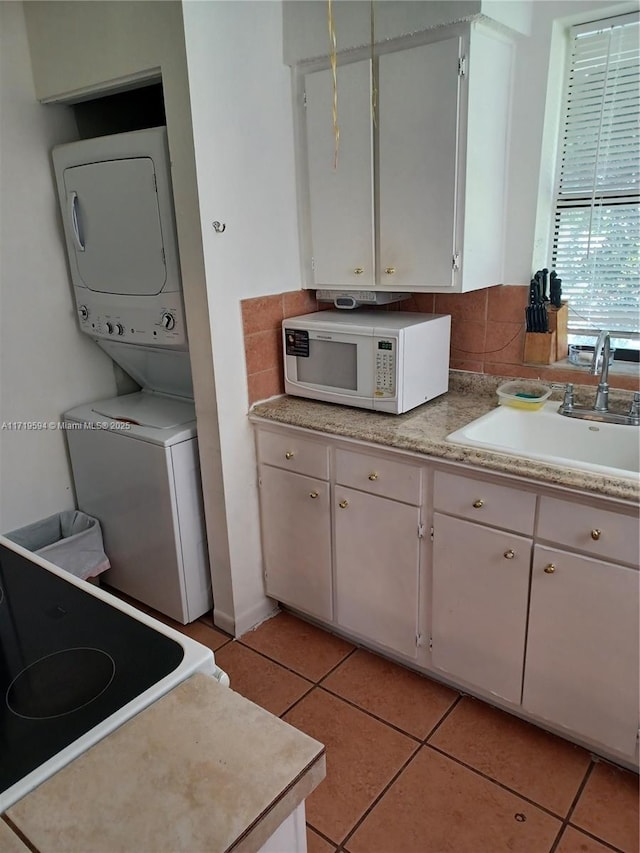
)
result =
(601, 349)
(600, 409)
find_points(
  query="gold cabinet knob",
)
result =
(358, 271)
(550, 569)
(313, 494)
(343, 504)
(479, 503)
(510, 554)
(289, 454)
(373, 475)
(390, 270)
(596, 534)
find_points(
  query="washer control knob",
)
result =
(83, 311)
(109, 328)
(168, 321)
(119, 329)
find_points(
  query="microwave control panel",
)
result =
(385, 355)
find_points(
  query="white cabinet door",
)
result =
(582, 661)
(377, 553)
(418, 145)
(479, 604)
(296, 540)
(341, 196)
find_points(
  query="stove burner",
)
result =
(60, 683)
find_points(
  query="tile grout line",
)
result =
(446, 714)
(377, 799)
(567, 821)
(488, 778)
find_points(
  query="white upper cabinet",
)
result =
(341, 199)
(415, 200)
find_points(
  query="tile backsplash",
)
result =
(487, 336)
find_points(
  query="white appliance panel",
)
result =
(118, 245)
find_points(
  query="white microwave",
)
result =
(390, 361)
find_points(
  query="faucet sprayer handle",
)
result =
(634, 408)
(567, 403)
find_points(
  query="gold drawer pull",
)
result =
(358, 271)
(289, 454)
(390, 270)
(343, 504)
(510, 554)
(477, 504)
(373, 475)
(550, 569)
(596, 534)
(313, 494)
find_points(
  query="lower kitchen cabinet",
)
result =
(377, 562)
(479, 604)
(583, 661)
(528, 594)
(296, 540)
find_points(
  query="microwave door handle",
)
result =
(73, 217)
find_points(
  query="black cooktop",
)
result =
(68, 660)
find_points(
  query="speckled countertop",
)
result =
(200, 769)
(424, 430)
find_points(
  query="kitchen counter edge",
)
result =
(423, 430)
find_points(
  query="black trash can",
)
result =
(71, 540)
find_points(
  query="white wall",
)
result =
(243, 138)
(46, 365)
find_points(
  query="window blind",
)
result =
(596, 241)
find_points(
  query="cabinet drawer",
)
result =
(599, 532)
(386, 477)
(294, 453)
(486, 503)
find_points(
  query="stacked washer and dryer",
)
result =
(135, 457)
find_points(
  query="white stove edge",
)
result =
(197, 658)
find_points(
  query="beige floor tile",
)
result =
(262, 681)
(316, 844)
(363, 755)
(608, 807)
(395, 694)
(514, 753)
(439, 806)
(574, 841)
(298, 645)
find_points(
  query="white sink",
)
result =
(545, 435)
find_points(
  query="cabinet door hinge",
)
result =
(313, 263)
(431, 534)
(304, 100)
(462, 66)
(421, 531)
(420, 641)
(430, 644)
(456, 261)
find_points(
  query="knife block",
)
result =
(539, 347)
(558, 320)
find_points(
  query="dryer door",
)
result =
(114, 221)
